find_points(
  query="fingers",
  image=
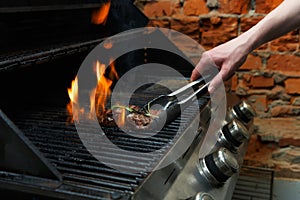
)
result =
(209, 70)
(204, 68)
(215, 83)
(195, 75)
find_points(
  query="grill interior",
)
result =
(43, 46)
(83, 175)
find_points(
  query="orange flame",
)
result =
(98, 95)
(73, 95)
(92, 113)
(100, 16)
(103, 87)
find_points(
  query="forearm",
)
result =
(229, 56)
(283, 19)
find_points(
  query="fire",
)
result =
(73, 95)
(98, 95)
(92, 113)
(103, 87)
(100, 16)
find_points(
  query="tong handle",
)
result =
(171, 99)
(192, 96)
(164, 100)
(187, 87)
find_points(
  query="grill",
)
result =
(42, 154)
(84, 176)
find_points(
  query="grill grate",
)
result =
(82, 173)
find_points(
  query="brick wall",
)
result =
(269, 79)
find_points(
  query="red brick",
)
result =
(286, 43)
(165, 23)
(262, 82)
(248, 22)
(234, 6)
(247, 77)
(265, 6)
(283, 142)
(175, 7)
(234, 82)
(252, 62)
(213, 34)
(291, 74)
(186, 25)
(195, 7)
(284, 62)
(157, 9)
(292, 85)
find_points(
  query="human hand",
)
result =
(221, 62)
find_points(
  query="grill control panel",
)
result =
(218, 166)
(232, 135)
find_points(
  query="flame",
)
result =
(103, 87)
(73, 95)
(73, 91)
(98, 95)
(100, 16)
(92, 113)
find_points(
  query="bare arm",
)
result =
(231, 55)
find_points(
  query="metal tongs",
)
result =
(181, 97)
(172, 104)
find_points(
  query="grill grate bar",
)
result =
(71, 155)
(82, 172)
(96, 182)
(109, 159)
(102, 176)
(121, 142)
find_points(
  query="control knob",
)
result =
(233, 134)
(218, 166)
(243, 112)
(202, 196)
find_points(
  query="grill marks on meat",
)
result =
(139, 121)
(134, 119)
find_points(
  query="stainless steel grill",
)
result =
(82, 174)
(42, 154)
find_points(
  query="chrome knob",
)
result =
(218, 166)
(202, 196)
(233, 134)
(243, 112)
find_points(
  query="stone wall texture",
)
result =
(270, 77)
